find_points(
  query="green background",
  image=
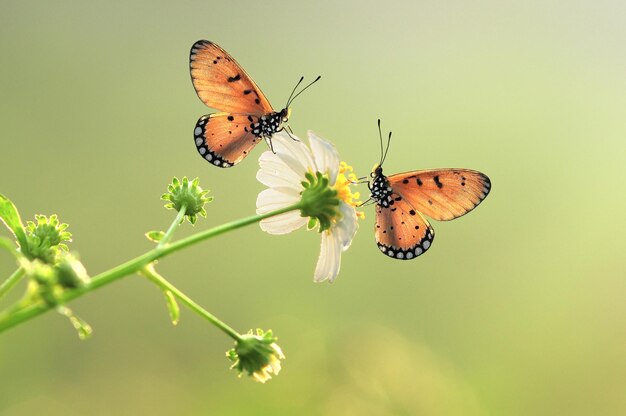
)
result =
(518, 309)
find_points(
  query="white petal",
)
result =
(325, 155)
(329, 260)
(345, 229)
(293, 153)
(275, 198)
(276, 173)
(283, 223)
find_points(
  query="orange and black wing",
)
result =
(402, 232)
(225, 139)
(222, 84)
(442, 194)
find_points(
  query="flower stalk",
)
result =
(166, 286)
(22, 313)
(14, 279)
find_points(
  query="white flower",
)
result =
(293, 171)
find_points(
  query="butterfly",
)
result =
(245, 116)
(404, 199)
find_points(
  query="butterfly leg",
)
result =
(369, 201)
(268, 140)
(289, 133)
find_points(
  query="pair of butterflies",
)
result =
(246, 116)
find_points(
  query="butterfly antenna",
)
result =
(302, 90)
(386, 148)
(294, 90)
(380, 136)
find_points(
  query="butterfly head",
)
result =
(377, 170)
(285, 113)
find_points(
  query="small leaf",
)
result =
(172, 306)
(83, 329)
(11, 218)
(155, 236)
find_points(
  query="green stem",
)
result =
(8, 284)
(18, 314)
(170, 231)
(160, 281)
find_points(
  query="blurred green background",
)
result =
(518, 309)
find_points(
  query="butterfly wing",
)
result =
(222, 84)
(401, 232)
(225, 139)
(442, 194)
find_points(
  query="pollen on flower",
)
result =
(345, 178)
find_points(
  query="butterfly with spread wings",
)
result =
(402, 200)
(245, 117)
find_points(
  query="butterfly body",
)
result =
(380, 188)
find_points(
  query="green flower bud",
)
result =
(189, 195)
(257, 355)
(44, 280)
(70, 272)
(46, 238)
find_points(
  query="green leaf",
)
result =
(11, 218)
(83, 329)
(155, 236)
(172, 306)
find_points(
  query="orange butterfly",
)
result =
(246, 116)
(403, 199)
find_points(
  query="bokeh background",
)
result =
(518, 309)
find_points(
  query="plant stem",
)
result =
(8, 284)
(160, 281)
(18, 314)
(170, 231)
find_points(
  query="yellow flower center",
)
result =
(345, 178)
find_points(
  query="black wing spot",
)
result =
(246, 92)
(214, 62)
(231, 118)
(250, 118)
(405, 181)
(235, 78)
(419, 182)
(462, 183)
(417, 227)
(439, 184)
(412, 212)
(256, 100)
(430, 202)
